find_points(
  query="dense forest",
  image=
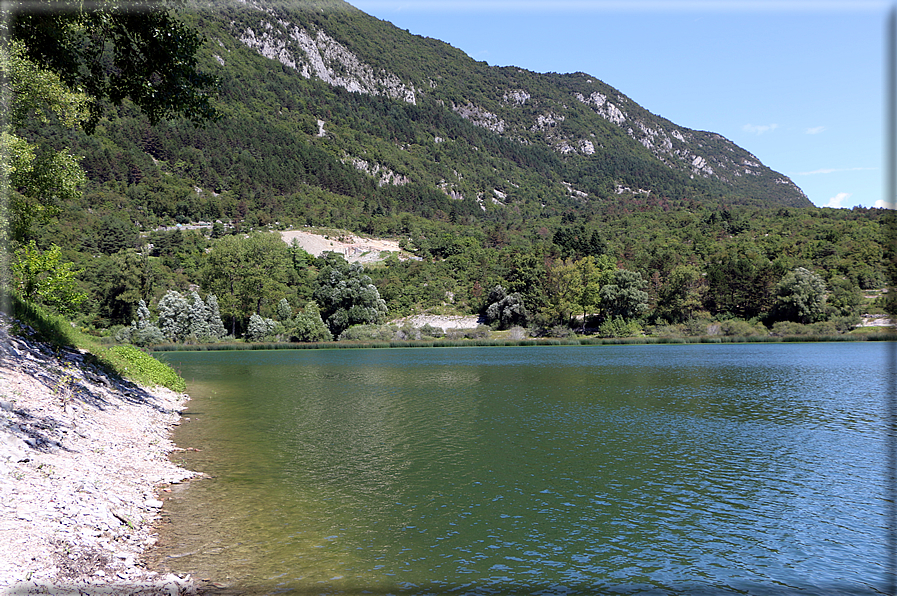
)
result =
(510, 197)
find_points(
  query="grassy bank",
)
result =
(582, 341)
(125, 361)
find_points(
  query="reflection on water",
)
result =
(554, 470)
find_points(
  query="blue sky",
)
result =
(799, 84)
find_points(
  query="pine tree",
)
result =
(199, 318)
(257, 329)
(216, 326)
(284, 311)
(174, 316)
(143, 315)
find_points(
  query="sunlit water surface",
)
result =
(659, 469)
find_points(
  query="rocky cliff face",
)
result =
(576, 115)
(313, 53)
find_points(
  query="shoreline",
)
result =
(84, 471)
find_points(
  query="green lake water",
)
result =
(653, 469)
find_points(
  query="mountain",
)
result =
(486, 176)
(556, 110)
(591, 127)
(333, 117)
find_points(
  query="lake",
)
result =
(642, 469)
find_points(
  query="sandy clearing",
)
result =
(446, 322)
(355, 249)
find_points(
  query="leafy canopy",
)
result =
(110, 51)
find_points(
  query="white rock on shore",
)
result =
(83, 460)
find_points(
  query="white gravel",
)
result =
(83, 471)
(355, 249)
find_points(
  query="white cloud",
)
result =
(815, 130)
(832, 170)
(759, 129)
(879, 204)
(836, 200)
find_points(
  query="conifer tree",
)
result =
(284, 311)
(216, 325)
(143, 315)
(174, 316)
(199, 318)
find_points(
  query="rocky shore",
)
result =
(83, 474)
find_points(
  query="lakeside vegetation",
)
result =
(556, 245)
(534, 342)
(124, 361)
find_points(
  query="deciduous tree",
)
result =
(624, 295)
(800, 297)
(346, 295)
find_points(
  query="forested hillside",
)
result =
(541, 200)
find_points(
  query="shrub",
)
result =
(408, 332)
(785, 328)
(665, 330)
(696, 326)
(430, 331)
(517, 333)
(480, 332)
(559, 331)
(368, 333)
(619, 327)
(740, 328)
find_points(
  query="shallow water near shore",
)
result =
(703, 469)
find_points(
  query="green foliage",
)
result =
(307, 326)
(261, 329)
(42, 277)
(125, 361)
(284, 310)
(680, 297)
(142, 332)
(248, 274)
(505, 310)
(113, 235)
(346, 295)
(182, 319)
(619, 327)
(216, 326)
(144, 369)
(174, 316)
(703, 249)
(579, 242)
(479, 332)
(368, 333)
(112, 52)
(800, 297)
(624, 296)
(35, 178)
(740, 328)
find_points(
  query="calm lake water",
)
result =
(652, 469)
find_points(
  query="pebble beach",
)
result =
(84, 471)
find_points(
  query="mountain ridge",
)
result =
(313, 52)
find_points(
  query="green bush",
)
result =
(740, 328)
(480, 332)
(430, 331)
(368, 333)
(558, 331)
(667, 331)
(144, 369)
(619, 327)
